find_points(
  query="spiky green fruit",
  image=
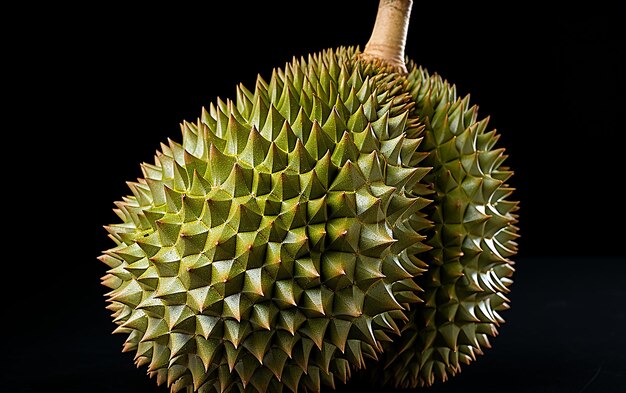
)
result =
(276, 247)
(473, 237)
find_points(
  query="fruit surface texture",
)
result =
(278, 245)
(348, 212)
(473, 238)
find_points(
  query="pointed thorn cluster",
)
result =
(473, 237)
(289, 237)
(278, 245)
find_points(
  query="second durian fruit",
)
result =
(340, 213)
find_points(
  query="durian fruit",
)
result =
(276, 247)
(283, 243)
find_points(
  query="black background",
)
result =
(552, 81)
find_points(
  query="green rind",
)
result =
(276, 247)
(472, 240)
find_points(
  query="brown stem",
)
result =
(389, 34)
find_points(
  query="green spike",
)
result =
(368, 207)
(166, 262)
(343, 234)
(192, 208)
(300, 161)
(181, 178)
(277, 231)
(286, 293)
(196, 274)
(312, 303)
(306, 272)
(255, 149)
(261, 184)
(219, 210)
(180, 318)
(338, 269)
(286, 342)
(245, 369)
(290, 320)
(345, 151)
(291, 377)
(379, 298)
(358, 120)
(317, 211)
(259, 112)
(363, 330)
(180, 344)
(325, 170)
(156, 328)
(244, 101)
(409, 155)
(261, 380)
(311, 186)
(318, 142)
(193, 237)
(275, 360)
(398, 176)
(239, 181)
(302, 353)
(374, 240)
(273, 124)
(335, 126)
(235, 306)
(275, 87)
(220, 165)
(276, 159)
(315, 329)
(392, 148)
(169, 230)
(288, 104)
(130, 295)
(258, 344)
(349, 178)
(328, 352)
(285, 186)
(234, 334)
(206, 327)
(253, 282)
(339, 330)
(263, 315)
(236, 136)
(136, 268)
(247, 218)
(320, 110)
(286, 139)
(295, 244)
(171, 290)
(160, 357)
(302, 126)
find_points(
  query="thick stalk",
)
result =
(389, 35)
